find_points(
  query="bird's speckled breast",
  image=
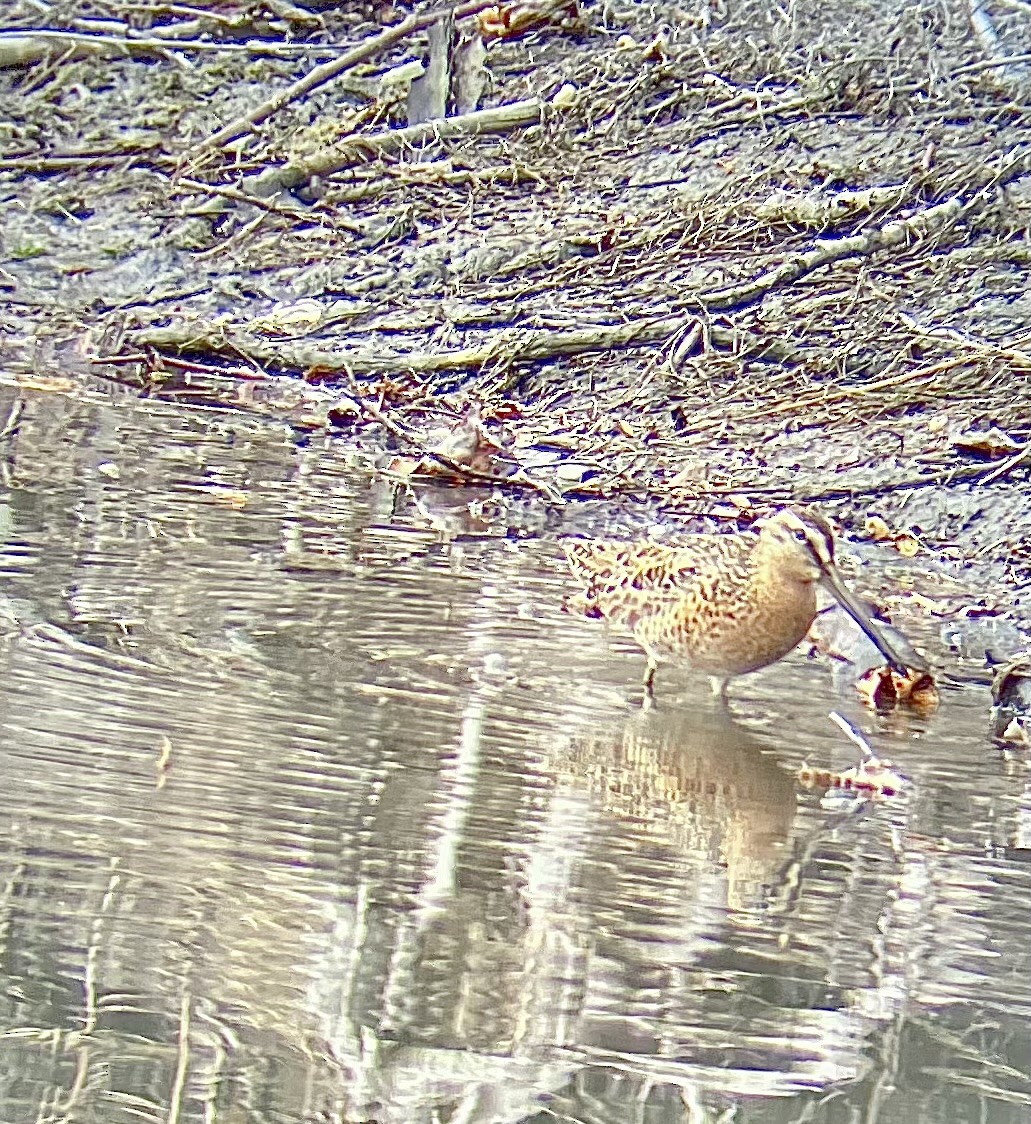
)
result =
(734, 631)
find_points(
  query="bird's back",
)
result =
(630, 581)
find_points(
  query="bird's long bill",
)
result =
(855, 609)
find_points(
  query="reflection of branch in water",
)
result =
(10, 426)
(46, 632)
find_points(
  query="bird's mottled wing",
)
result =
(627, 580)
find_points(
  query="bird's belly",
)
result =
(733, 640)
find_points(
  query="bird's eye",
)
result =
(800, 535)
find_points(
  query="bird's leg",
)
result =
(719, 684)
(649, 684)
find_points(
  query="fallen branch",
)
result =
(898, 232)
(508, 346)
(390, 142)
(329, 70)
(22, 47)
(1007, 466)
(893, 234)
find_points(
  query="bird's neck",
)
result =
(785, 599)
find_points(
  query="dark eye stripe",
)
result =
(815, 532)
(821, 542)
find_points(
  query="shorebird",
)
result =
(723, 604)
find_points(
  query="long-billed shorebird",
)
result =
(722, 604)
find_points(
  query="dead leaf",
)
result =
(658, 49)
(1011, 695)
(508, 21)
(566, 96)
(1011, 684)
(905, 542)
(917, 690)
(876, 528)
(907, 545)
(988, 443)
(1016, 733)
(836, 634)
(876, 688)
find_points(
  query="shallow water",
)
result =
(312, 814)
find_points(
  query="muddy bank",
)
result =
(687, 270)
